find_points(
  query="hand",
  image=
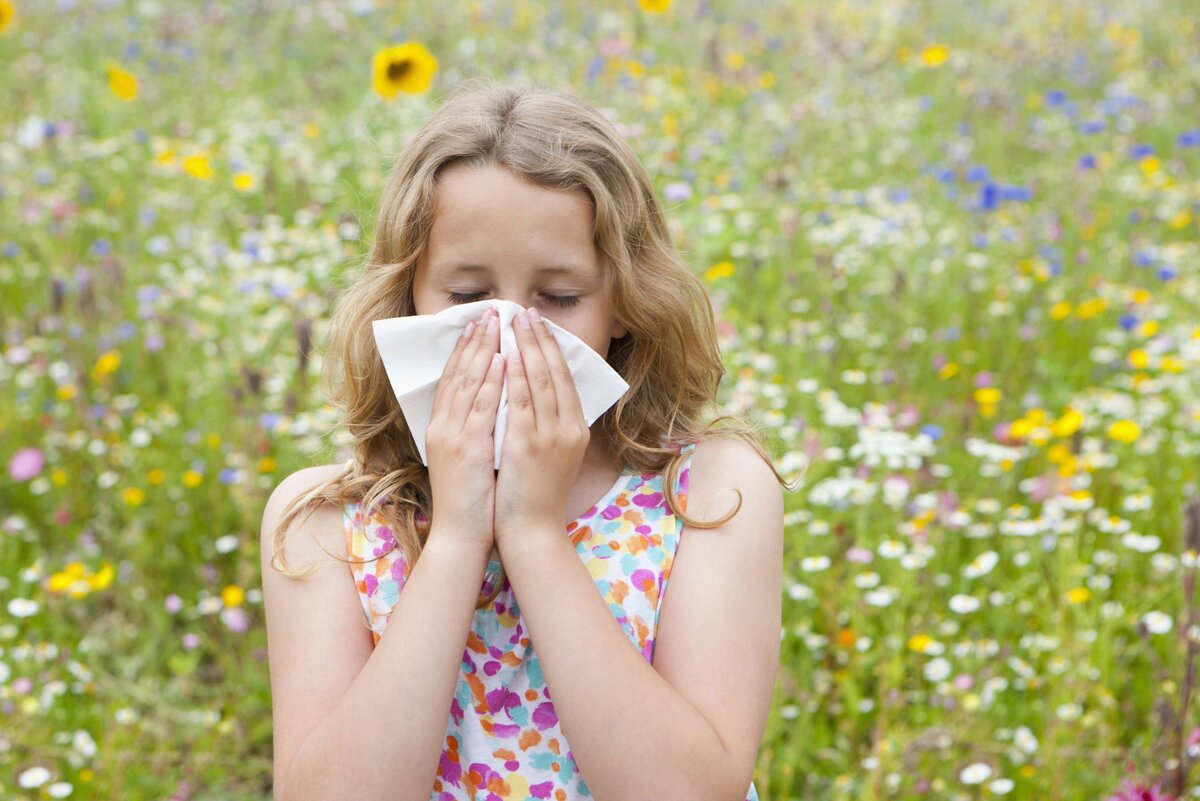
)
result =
(459, 441)
(546, 438)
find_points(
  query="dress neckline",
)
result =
(610, 494)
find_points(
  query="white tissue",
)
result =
(415, 350)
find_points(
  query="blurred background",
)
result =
(953, 252)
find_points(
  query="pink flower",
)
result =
(1136, 791)
(25, 464)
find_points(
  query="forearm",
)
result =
(384, 738)
(633, 735)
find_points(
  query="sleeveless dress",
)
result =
(503, 741)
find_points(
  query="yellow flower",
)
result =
(243, 181)
(1020, 427)
(1090, 308)
(155, 476)
(133, 496)
(1124, 431)
(192, 479)
(123, 84)
(1138, 358)
(1150, 165)
(766, 80)
(1068, 424)
(165, 157)
(987, 396)
(197, 166)
(266, 464)
(233, 595)
(311, 130)
(919, 642)
(65, 392)
(935, 55)
(406, 67)
(735, 60)
(1078, 595)
(103, 578)
(107, 363)
(722, 269)
(1060, 310)
(1149, 328)
(654, 6)
(8, 12)
(949, 370)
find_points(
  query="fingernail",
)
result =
(467, 331)
(522, 319)
(491, 323)
(533, 315)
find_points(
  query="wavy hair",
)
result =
(669, 357)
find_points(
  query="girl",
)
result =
(572, 676)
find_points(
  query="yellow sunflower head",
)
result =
(406, 67)
(8, 12)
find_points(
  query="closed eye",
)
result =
(471, 297)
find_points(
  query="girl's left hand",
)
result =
(546, 438)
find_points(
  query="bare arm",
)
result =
(383, 735)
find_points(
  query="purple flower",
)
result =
(677, 191)
(25, 464)
(173, 603)
(1136, 791)
(235, 619)
(190, 641)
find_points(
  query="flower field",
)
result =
(954, 252)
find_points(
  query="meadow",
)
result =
(953, 250)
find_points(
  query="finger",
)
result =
(451, 367)
(537, 376)
(482, 416)
(560, 371)
(521, 414)
(475, 366)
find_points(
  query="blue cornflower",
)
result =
(1141, 150)
(1093, 126)
(1128, 321)
(1087, 162)
(933, 431)
(1189, 138)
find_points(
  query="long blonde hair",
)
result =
(669, 357)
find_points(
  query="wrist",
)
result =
(528, 538)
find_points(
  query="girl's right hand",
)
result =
(459, 442)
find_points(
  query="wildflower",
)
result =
(1068, 424)
(25, 464)
(233, 595)
(197, 166)
(1078, 595)
(935, 55)
(654, 6)
(722, 269)
(1124, 431)
(406, 67)
(123, 84)
(1131, 790)
(243, 181)
(1157, 622)
(8, 13)
(107, 363)
(976, 773)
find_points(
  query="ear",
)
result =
(617, 331)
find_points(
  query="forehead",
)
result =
(485, 216)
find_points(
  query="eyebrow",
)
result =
(552, 269)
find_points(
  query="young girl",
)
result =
(507, 634)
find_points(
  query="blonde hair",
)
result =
(669, 357)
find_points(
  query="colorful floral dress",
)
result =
(503, 740)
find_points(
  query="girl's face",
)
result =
(495, 236)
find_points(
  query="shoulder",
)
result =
(720, 469)
(321, 526)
